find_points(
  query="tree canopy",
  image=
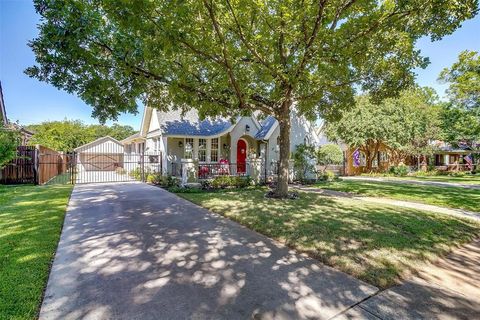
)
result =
(405, 124)
(463, 78)
(461, 115)
(66, 135)
(235, 57)
(8, 145)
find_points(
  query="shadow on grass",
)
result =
(374, 243)
(460, 198)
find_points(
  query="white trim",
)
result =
(96, 141)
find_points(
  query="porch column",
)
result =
(195, 149)
(209, 149)
(446, 159)
(164, 151)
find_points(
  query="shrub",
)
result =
(242, 182)
(136, 174)
(222, 182)
(400, 171)
(327, 175)
(303, 162)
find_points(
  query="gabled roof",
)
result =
(98, 141)
(174, 123)
(265, 128)
(134, 136)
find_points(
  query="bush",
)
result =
(327, 175)
(136, 174)
(222, 182)
(400, 171)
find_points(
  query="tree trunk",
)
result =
(284, 122)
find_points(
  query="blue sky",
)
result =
(31, 101)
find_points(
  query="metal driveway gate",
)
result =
(107, 166)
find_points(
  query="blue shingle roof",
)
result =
(201, 128)
(266, 126)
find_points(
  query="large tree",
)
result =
(405, 125)
(461, 115)
(235, 57)
(66, 135)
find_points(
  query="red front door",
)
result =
(241, 156)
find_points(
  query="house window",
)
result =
(202, 150)
(214, 150)
(383, 156)
(363, 159)
(188, 152)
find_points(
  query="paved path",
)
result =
(448, 289)
(133, 251)
(413, 181)
(405, 204)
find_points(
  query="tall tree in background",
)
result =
(405, 125)
(461, 116)
(66, 135)
(9, 140)
(237, 56)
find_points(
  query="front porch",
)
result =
(209, 157)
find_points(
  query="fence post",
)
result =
(142, 166)
(36, 165)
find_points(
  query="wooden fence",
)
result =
(22, 169)
(50, 163)
(35, 164)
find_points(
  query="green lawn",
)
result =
(467, 179)
(452, 197)
(373, 242)
(31, 219)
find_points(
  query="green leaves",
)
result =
(405, 123)
(8, 145)
(67, 135)
(235, 57)
(464, 80)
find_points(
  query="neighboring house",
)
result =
(181, 138)
(448, 157)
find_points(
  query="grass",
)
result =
(469, 179)
(451, 197)
(375, 243)
(31, 219)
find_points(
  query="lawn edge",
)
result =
(50, 264)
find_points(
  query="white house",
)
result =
(178, 138)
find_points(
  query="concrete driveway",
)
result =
(133, 251)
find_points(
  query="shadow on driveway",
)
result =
(133, 251)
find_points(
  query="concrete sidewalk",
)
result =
(133, 251)
(399, 203)
(412, 181)
(448, 289)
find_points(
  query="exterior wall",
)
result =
(154, 125)
(175, 153)
(240, 131)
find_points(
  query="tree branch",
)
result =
(228, 65)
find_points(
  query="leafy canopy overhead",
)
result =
(464, 80)
(236, 56)
(67, 135)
